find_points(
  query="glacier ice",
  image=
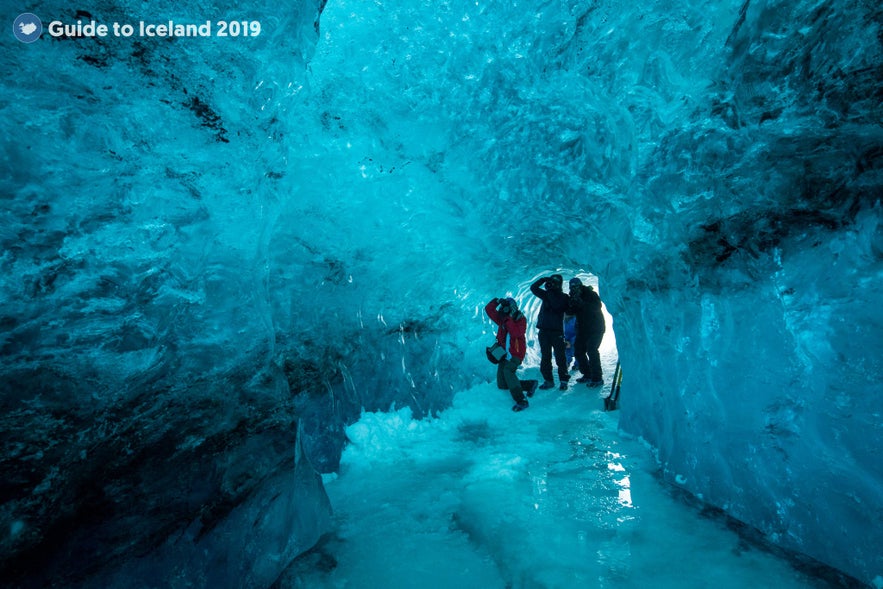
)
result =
(209, 245)
(550, 497)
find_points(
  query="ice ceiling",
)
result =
(210, 245)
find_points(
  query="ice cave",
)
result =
(246, 253)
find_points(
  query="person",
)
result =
(585, 304)
(569, 337)
(550, 324)
(511, 336)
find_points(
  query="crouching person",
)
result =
(510, 336)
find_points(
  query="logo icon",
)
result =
(27, 28)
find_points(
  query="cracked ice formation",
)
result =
(208, 243)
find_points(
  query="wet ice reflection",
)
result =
(551, 497)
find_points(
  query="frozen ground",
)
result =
(551, 497)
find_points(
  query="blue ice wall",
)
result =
(754, 332)
(212, 244)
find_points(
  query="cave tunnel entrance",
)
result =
(530, 306)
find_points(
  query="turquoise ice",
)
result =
(219, 255)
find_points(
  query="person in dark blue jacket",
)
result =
(550, 324)
(569, 339)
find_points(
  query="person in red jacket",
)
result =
(510, 335)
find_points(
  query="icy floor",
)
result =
(552, 497)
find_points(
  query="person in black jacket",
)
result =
(585, 304)
(550, 324)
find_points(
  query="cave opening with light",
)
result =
(242, 330)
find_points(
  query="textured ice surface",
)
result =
(207, 242)
(550, 497)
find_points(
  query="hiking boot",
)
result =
(547, 385)
(521, 406)
(596, 383)
(531, 388)
(563, 385)
(583, 379)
